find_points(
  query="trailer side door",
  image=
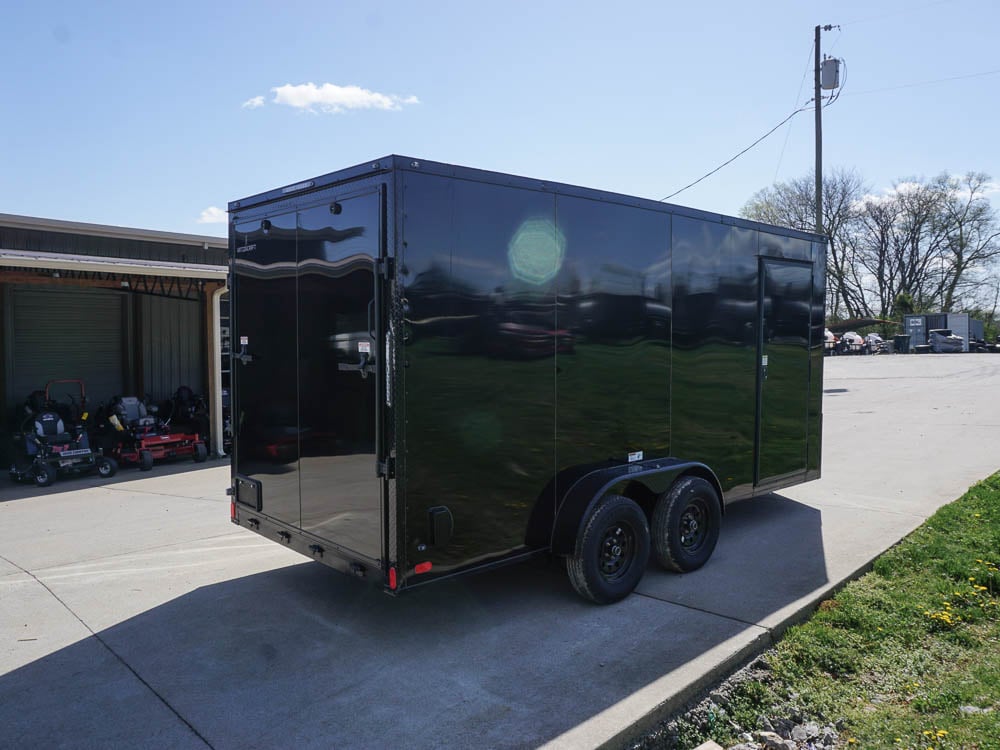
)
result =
(783, 396)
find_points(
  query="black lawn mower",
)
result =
(53, 439)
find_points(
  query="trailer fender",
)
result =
(585, 488)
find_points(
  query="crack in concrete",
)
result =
(703, 611)
(111, 651)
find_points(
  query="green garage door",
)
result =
(65, 333)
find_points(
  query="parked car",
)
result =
(943, 340)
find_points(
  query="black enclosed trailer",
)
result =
(439, 369)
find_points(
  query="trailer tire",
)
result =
(686, 523)
(611, 551)
(45, 474)
(200, 453)
(145, 460)
(107, 467)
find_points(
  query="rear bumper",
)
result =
(320, 550)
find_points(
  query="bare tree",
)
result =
(930, 241)
(932, 244)
(899, 245)
(972, 236)
(793, 204)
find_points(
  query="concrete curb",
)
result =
(696, 690)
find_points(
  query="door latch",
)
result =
(386, 468)
(383, 267)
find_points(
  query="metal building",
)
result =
(128, 311)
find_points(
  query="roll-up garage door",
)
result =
(61, 334)
(172, 345)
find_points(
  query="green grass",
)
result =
(897, 653)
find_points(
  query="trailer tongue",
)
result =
(438, 369)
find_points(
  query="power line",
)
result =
(906, 11)
(926, 83)
(798, 96)
(729, 161)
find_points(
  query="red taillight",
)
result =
(232, 511)
(392, 578)
(421, 567)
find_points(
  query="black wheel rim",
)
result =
(694, 526)
(616, 551)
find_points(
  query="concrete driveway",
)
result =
(133, 613)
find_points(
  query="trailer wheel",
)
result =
(145, 460)
(686, 523)
(200, 452)
(45, 474)
(611, 551)
(107, 467)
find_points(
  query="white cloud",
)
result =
(213, 215)
(889, 193)
(332, 98)
(257, 101)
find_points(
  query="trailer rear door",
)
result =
(339, 372)
(307, 319)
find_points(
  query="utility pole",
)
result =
(819, 84)
(819, 136)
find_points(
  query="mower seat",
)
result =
(50, 429)
(133, 412)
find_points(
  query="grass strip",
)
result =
(908, 656)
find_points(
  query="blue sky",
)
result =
(149, 114)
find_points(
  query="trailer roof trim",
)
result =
(15, 221)
(347, 175)
(65, 262)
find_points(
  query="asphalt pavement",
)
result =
(133, 613)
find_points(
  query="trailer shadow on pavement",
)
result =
(301, 656)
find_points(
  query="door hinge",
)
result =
(383, 267)
(386, 468)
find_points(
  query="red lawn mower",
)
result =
(133, 435)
